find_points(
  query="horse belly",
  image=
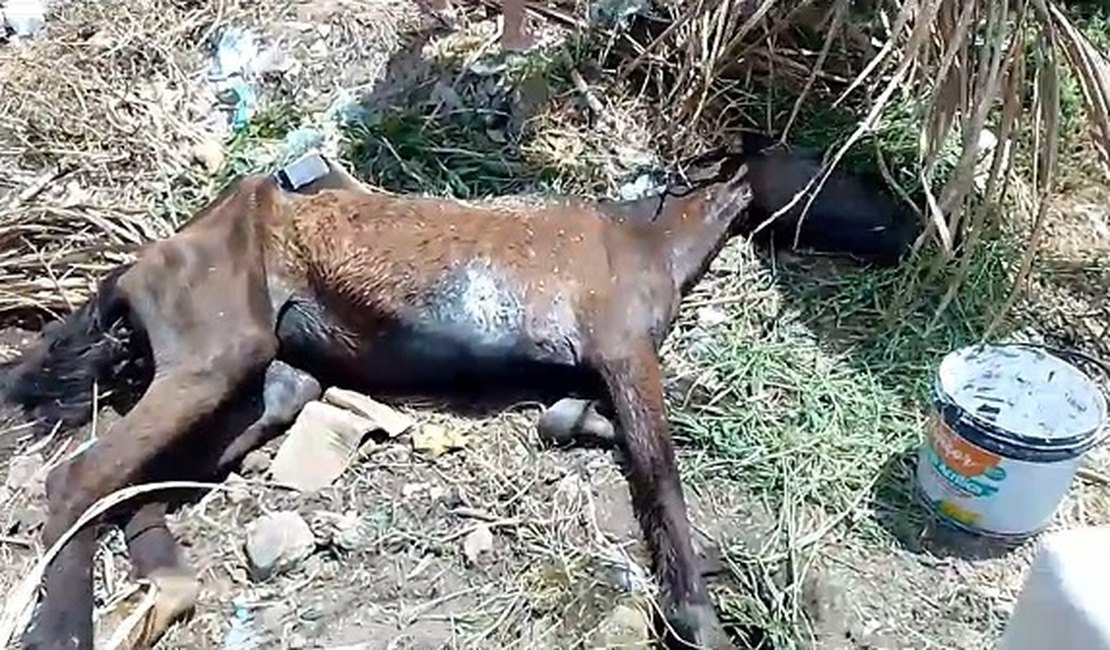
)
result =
(472, 328)
(476, 326)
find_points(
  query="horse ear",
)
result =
(739, 189)
(706, 170)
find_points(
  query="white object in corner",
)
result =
(1065, 601)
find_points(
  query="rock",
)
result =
(625, 627)
(209, 153)
(479, 541)
(343, 531)
(570, 419)
(319, 446)
(278, 542)
(436, 440)
(237, 490)
(385, 418)
(256, 462)
(24, 472)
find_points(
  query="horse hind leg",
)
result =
(183, 293)
(260, 413)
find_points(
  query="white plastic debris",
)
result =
(638, 188)
(984, 150)
(238, 58)
(1065, 602)
(236, 49)
(23, 18)
(478, 543)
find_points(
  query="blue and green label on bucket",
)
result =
(964, 471)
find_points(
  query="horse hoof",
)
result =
(570, 419)
(149, 614)
(696, 627)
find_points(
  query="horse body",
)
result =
(226, 329)
(454, 296)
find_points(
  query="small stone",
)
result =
(24, 472)
(236, 488)
(342, 531)
(479, 541)
(571, 419)
(624, 627)
(278, 542)
(209, 153)
(256, 462)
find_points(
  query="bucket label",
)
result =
(963, 457)
(983, 490)
(960, 462)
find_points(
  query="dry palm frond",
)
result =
(113, 134)
(96, 113)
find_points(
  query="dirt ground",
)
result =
(390, 570)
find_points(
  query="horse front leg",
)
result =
(633, 378)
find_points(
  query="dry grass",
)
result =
(101, 116)
(104, 144)
(99, 159)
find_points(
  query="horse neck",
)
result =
(689, 230)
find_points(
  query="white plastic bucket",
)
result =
(1008, 429)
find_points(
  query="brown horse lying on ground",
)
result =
(213, 340)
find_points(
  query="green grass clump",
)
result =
(888, 153)
(403, 150)
(467, 148)
(819, 403)
(249, 149)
